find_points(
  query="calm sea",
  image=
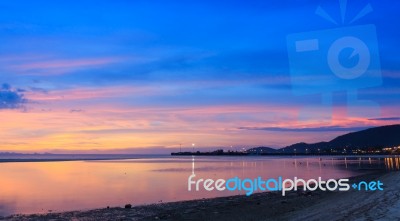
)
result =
(39, 187)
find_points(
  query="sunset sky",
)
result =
(147, 76)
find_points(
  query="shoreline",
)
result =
(105, 157)
(260, 206)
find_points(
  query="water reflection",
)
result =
(392, 163)
(35, 187)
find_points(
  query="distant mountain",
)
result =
(369, 141)
(304, 147)
(385, 136)
(372, 138)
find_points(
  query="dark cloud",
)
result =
(38, 89)
(386, 118)
(11, 98)
(5, 86)
(308, 129)
(75, 110)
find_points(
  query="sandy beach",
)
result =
(317, 205)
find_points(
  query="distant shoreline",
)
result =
(16, 157)
(274, 154)
(26, 158)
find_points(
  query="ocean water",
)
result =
(40, 187)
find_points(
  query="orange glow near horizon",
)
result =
(105, 127)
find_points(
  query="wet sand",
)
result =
(317, 205)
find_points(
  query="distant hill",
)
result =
(369, 141)
(304, 147)
(385, 136)
(372, 138)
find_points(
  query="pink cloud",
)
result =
(90, 93)
(59, 66)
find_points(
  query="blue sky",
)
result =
(213, 67)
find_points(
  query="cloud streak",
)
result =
(385, 118)
(307, 129)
